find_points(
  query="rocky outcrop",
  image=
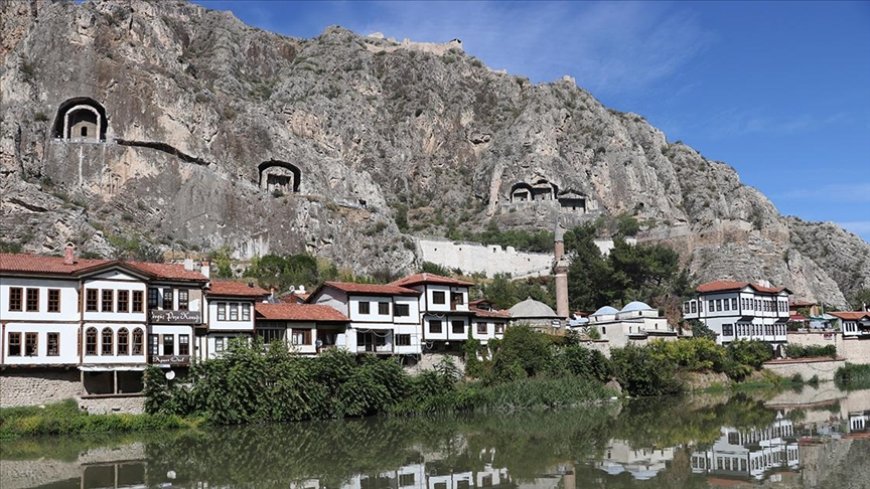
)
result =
(195, 101)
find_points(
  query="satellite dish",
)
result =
(171, 473)
(170, 375)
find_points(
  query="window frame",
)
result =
(48, 338)
(363, 308)
(304, 337)
(171, 338)
(124, 350)
(439, 297)
(17, 343)
(137, 342)
(167, 299)
(28, 336)
(485, 328)
(53, 304)
(183, 299)
(403, 339)
(107, 296)
(453, 325)
(153, 297)
(91, 341)
(245, 312)
(440, 325)
(234, 311)
(221, 311)
(138, 302)
(184, 344)
(383, 308)
(13, 300)
(401, 310)
(103, 343)
(122, 301)
(28, 299)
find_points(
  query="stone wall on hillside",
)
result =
(38, 386)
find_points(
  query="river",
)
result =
(808, 438)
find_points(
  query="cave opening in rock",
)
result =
(80, 119)
(279, 176)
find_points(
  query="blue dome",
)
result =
(604, 311)
(636, 306)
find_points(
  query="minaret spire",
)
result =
(560, 270)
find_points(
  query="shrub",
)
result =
(801, 351)
(750, 352)
(643, 373)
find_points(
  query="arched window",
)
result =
(123, 342)
(138, 341)
(80, 118)
(107, 341)
(279, 176)
(91, 341)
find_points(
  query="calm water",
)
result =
(807, 439)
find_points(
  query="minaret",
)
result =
(560, 270)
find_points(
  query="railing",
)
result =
(174, 317)
(374, 348)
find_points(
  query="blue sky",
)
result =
(780, 91)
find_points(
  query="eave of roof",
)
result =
(429, 278)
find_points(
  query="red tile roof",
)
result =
(429, 278)
(796, 317)
(233, 288)
(26, 263)
(851, 315)
(726, 285)
(496, 313)
(299, 312)
(167, 271)
(370, 289)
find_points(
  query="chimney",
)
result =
(188, 264)
(69, 254)
(205, 269)
(301, 289)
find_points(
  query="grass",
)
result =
(65, 418)
(852, 377)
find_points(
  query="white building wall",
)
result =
(69, 310)
(68, 344)
(226, 325)
(114, 358)
(129, 284)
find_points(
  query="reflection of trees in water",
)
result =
(528, 444)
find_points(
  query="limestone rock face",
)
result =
(196, 101)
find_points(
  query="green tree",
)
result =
(860, 298)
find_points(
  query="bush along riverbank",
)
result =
(65, 418)
(524, 370)
(853, 377)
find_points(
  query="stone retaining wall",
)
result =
(852, 349)
(824, 368)
(129, 404)
(33, 387)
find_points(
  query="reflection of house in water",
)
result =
(750, 453)
(642, 464)
(431, 474)
(859, 422)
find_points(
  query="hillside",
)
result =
(351, 131)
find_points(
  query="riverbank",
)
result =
(65, 418)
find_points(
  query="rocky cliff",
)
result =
(218, 134)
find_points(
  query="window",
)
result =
(123, 342)
(481, 328)
(383, 308)
(733, 303)
(222, 311)
(123, 301)
(406, 480)
(183, 344)
(456, 299)
(718, 305)
(435, 327)
(107, 341)
(363, 307)
(183, 299)
(108, 300)
(710, 306)
(137, 301)
(31, 344)
(153, 344)
(246, 312)
(15, 297)
(401, 310)
(301, 337)
(727, 330)
(14, 344)
(694, 307)
(138, 337)
(32, 300)
(437, 297)
(152, 298)
(168, 303)
(52, 344)
(220, 344)
(91, 341)
(499, 328)
(169, 344)
(53, 300)
(403, 340)
(685, 308)
(234, 311)
(458, 327)
(271, 334)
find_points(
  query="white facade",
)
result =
(635, 322)
(746, 313)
